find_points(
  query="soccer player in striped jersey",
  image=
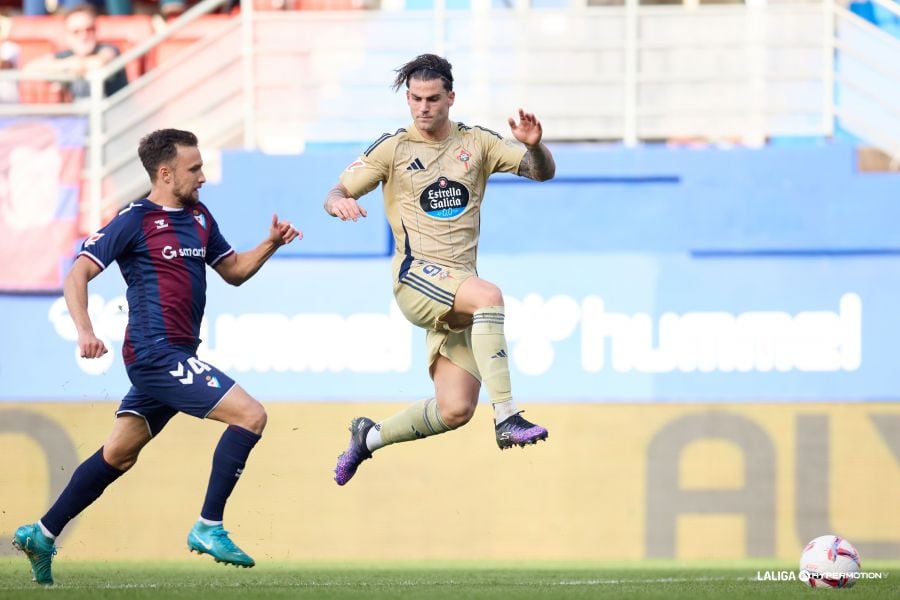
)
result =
(163, 244)
(433, 175)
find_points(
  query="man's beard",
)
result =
(188, 199)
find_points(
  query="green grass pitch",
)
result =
(199, 578)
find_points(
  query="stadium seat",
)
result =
(36, 36)
(185, 37)
(270, 4)
(46, 27)
(125, 32)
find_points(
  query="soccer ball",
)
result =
(829, 561)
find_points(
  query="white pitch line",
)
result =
(659, 580)
(334, 584)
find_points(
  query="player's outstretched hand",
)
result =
(91, 346)
(282, 232)
(528, 130)
(346, 209)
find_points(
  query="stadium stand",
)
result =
(38, 36)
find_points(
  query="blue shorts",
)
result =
(170, 381)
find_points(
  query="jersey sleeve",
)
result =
(217, 247)
(502, 155)
(371, 168)
(114, 239)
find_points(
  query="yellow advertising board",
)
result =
(613, 482)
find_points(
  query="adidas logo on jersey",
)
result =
(416, 165)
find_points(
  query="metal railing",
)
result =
(867, 75)
(280, 80)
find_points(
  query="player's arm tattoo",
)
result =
(537, 164)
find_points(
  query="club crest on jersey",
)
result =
(200, 218)
(95, 237)
(444, 199)
(464, 156)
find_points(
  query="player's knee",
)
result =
(119, 459)
(457, 415)
(490, 295)
(126, 464)
(255, 418)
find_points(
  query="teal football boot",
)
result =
(214, 540)
(39, 549)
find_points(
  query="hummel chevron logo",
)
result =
(501, 354)
(416, 165)
(177, 373)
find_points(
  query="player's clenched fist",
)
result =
(91, 346)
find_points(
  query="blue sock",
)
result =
(87, 483)
(228, 463)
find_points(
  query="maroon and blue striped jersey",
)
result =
(162, 254)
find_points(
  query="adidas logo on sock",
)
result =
(501, 354)
(416, 165)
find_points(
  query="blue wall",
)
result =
(604, 199)
(638, 275)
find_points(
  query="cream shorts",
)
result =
(425, 294)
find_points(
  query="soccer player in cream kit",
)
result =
(163, 244)
(433, 175)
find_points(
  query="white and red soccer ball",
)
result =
(829, 561)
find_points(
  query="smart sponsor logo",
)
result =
(169, 252)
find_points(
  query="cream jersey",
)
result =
(433, 190)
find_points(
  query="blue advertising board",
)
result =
(647, 274)
(581, 327)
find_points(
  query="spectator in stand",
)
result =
(109, 7)
(9, 59)
(82, 54)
